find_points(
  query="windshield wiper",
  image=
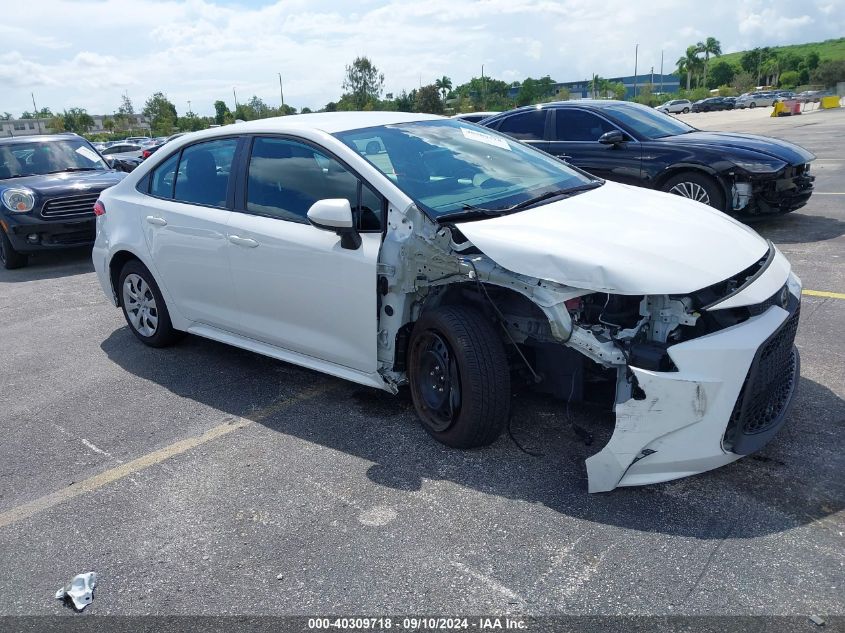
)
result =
(60, 171)
(554, 194)
(469, 212)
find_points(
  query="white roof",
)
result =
(329, 122)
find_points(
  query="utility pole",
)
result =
(661, 71)
(189, 107)
(652, 77)
(483, 90)
(636, 54)
(281, 93)
(34, 107)
(236, 97)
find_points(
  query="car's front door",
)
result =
(184, 222)
(575, 137)
(297, 287)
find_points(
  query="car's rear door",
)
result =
(297, 288)
(184, 219)
(575, 134)
(528, 126)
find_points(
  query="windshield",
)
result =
(33, 157)
(646, 121)
(449, 165)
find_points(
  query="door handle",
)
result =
(152, 219)
(243, 241)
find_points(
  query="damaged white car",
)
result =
(397, 249)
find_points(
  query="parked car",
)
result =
(712, 104)
(675, 106)
(456, 261)
(784, 95)
(122, 148)
(473, 117)
(730, 102)
(754, 100)
(137, 140)
(48, 186)
(810, 96)
(633, 144)
(149, 150)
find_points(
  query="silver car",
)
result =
(755, 99)
(675, 106)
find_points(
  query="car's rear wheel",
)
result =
(752, 105)
(9, 257)
(459, 377)
(686, 110)
(144, 306)
(696, 186)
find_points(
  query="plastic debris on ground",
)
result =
(80, 590)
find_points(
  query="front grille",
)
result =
(70, 206)
(767, 388)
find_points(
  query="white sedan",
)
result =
(396, 249)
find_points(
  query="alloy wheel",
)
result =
(140, 304)
(691, 190)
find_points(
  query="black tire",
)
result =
(163, 334)
(476, 409)
(9, 257)
(752, 105)
(686, 110)
(690, 180)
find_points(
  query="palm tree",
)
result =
(710, 46)
(444, 85)
(688, 63)
(596, 85)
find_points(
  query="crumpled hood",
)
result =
(784, 150)
(66, 183)
(620, 239)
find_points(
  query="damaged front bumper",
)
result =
(729, 397)
(767, 195)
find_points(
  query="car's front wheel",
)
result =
(696, 186)
(144, 306)
(459, 376)
(9, 257)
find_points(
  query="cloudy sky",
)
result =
(87, 53)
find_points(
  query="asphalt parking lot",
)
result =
(202, 479)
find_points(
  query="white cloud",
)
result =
(87, 52)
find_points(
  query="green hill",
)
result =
(827, 50)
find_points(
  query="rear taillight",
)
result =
(99, 208)
(146, 154)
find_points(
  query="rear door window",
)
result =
(526, 126)
(203, 174)
(163, 176)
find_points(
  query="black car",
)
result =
(48, 187)
(713, 104)
(635, 144)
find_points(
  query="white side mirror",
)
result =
(335, 214)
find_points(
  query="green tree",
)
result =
(721, 73)
(108, 125)
(56, 124)
(789, 79)
(221, 113)
(710, 46)
(829, 72)
(812, 60)
(688, 63)
(404, 102)
(126, 106)
(363, 82)
(743, 81)
(77, 120)
(444, 85)
(6, 116)
(305, 110)
(161, 113)
(428, 100)
(619, 90)
(529, 92)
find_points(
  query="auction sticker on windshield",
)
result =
(87, 153)
(481, 137)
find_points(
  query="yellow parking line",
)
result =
(824, 293)
(26, 510)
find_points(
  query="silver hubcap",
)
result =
(140, 305)
(691, 190)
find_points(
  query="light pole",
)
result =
(281, 93)
(636, 54)
(189, 107)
